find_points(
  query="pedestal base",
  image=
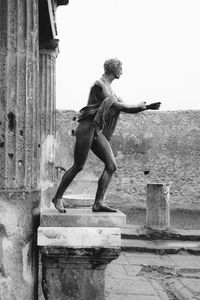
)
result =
(75, 274)
(74, 260)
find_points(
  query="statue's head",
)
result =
(113, 66)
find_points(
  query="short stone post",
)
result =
(158, 206)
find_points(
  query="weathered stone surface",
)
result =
(19, 109)
(147, 276)
(161, 246)
(20, 144)
(141, 232)
(74, 260)
(81, 218)
(79, 237)
(158, 206)
(48, 54)
(74, 284)
(19, 150)
(75, 273)
(19, 218)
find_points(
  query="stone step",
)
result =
(81, 217)
(161, 246)
(140, 232)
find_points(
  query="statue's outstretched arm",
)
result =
(133, 109)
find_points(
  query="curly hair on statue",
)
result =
(111, 64)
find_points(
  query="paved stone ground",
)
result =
(148, 276)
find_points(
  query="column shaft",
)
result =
(47, 91)
(48, 54)
(19, 115)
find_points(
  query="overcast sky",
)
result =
(158, 42)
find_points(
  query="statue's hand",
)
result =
(154, 106)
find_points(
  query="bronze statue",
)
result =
(96, 124)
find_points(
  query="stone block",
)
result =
(81, 218)
(79, 237)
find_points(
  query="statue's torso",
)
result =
(99, 91)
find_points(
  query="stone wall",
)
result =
(148, 147)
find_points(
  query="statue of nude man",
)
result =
(96, 124)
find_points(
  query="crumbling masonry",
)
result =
(28, 50)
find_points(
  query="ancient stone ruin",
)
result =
(161, 148)
(27, 119)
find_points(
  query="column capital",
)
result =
(49, 46)
(62, 2)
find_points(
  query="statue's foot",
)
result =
(102, 208)
(58, 203)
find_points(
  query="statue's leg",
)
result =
(103, 151)
(84, 137)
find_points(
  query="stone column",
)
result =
(158, 206)
(19, 147)
(48, 54)
(19, 139)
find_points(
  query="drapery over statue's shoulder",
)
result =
(104, 115)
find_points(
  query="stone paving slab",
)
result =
(189, 272)
(184, 289)
(115, 296)
(193, 285)
(189, 261)
(159, 289)
(146, 258)
(124, 280)
(133, 286)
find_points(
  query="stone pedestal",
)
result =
(158, 206)
(75, 255)
(82, 217)
(72, 274)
